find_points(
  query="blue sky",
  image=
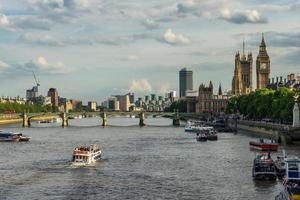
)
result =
(90, 49)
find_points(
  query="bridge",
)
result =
(175, 116)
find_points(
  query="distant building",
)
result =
(31, 94)
(41, 100)
(124, 102)
(292, 81)
(92, 105)
(17, 100)
(242, 78)
(147, 98)
(54, 96)
(171, 96)
(76, 104)
(131, 98)
(153, 97)
(113, 104)
(206, 101)
(185, 81)
(263, 66)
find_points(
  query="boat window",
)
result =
(293, 166)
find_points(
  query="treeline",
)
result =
(19, 108)
(276, 105)
(180, 105)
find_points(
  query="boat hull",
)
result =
(263, 146)
(212, 137)
(201, 139)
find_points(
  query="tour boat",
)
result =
(264, 167)
(291, 181)
(13, 137)
(86, 155)
(264, 145)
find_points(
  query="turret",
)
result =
(211, 86)
(262, 47)
(220, 90)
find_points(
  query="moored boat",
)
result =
(86, 155)
(280, 165)
(263, 167)
(264, 145)
(291, 181)
(201, 137)
(212, 135)
(13, 137)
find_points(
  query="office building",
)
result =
(185, 81)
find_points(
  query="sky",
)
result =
(92, 49)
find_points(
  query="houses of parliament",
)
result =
(242, 82)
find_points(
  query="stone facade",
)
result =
(242, 82)
(208, 102)
(263, 66)
(242, 79)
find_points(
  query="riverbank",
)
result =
(281, 133)
(20, 120)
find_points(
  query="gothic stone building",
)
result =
(206, 101)
(242, 79)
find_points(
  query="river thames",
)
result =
(154, 162)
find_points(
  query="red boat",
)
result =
(264, 145)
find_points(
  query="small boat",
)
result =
(264, 167)
(212, 135)
(86, 155)
(291, 181)
(201, 137)
(45, 121)
(264, 145)
(13, 137)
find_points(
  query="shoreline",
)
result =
(20, 120)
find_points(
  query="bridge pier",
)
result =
(176, 120)
(104, 120)
(65, 122)
(26, 120)
(142, 119)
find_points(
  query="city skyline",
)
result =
(91, 49)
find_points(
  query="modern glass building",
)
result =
(185, 81)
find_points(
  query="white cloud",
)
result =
(132, 57)
(171, 38)
(4, 20)
(40, 39)
(3, 65)
(140, 86)
(242, 16)
(41, 65)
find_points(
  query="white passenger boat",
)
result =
(86, 155)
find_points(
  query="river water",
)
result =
(155, 162)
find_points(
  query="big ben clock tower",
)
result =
(262, 66)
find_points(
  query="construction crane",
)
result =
(37, 83)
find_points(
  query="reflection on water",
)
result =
(152, 162)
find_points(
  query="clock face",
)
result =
(263, 66)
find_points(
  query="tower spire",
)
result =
(263, 44)
(220, 90)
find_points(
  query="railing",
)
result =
(9, 116)
(268, 125)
